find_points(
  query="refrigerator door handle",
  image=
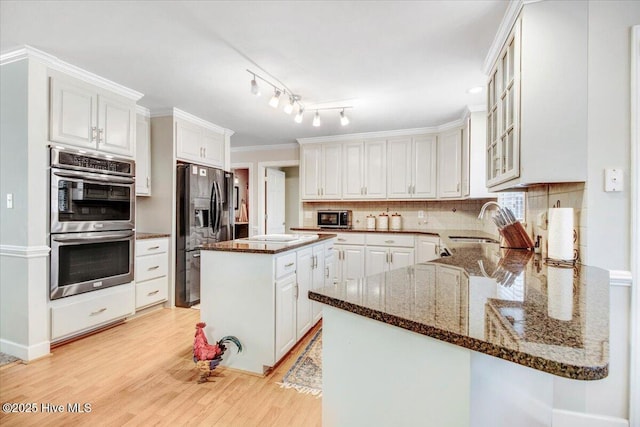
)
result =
(213, 205)
(219, 208)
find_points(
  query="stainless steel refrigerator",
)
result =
(204, 215)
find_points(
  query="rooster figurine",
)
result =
(206, 356)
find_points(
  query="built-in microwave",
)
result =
(334, 219)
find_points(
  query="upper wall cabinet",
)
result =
(411, 167)
(86, 116)
(143, 156)
(537, 99)
(321, 171)
(201, 144)
(450, 153)
(364, 171)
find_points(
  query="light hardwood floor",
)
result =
(142, 373)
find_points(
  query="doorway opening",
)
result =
(241, 199)
(281, 198)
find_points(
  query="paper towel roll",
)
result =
(561, 233)
(560, 293)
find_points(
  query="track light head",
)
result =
(275, 99)
(288, 108)
(298, 118)
(316, 119)
(255, 89)
(344, 120)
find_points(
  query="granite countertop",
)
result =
(142, 236)
(505, 303)
(246, 245)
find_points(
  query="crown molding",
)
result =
(509, 18)
(265, 147)
(143, 111)
(383, 134)
(28, 52)
(180, 114)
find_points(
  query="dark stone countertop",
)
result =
(249, 246)
(506, 303)
(142, 236)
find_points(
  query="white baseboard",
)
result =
(24, 251)
(562, 418)
(23, 352)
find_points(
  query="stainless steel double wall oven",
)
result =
(92, 221)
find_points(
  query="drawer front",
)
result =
(383, 239)
(152, 291)
(79, 316)
(350, 239)
(285, 264)
(151, 266)
(328, 248)
(151, 246)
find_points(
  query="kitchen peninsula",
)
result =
(256, 289)
(431, 341)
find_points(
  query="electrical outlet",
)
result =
(420, 214)
(541, 220)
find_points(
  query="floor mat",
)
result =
(305, 375)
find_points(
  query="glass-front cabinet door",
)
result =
(503, 109)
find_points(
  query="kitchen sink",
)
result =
(466, 239)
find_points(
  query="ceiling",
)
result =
(399, 64)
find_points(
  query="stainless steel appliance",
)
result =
(334, 219)
(204, 215)
(92, 237)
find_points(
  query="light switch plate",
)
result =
(613, 180)
(420, 214)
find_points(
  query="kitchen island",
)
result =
(256, 289)
(432, 344)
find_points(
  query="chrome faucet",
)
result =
(485, 206)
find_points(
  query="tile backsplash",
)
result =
(437, 215)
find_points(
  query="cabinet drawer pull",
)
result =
(288, 265)
(153, 248)
(389, 241)
(153, 293)
(342, 240)
(154, 267)
(102, 310)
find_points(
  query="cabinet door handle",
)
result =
(152, 248)
(204, 150)
(148, 182)
(102, 310)
(458, 187)
(288, 265)
(153, 293)
(389, 241)
(94, 133)
(155, 267)
(391, 257)
(365, 190)
(326, 269)
(100, 138)
(386, 257)
(297, 290)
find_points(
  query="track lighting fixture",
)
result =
(280, 89)
(275, 99)
(344, 120)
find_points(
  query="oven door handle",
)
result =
(94, 176)
(91, 237)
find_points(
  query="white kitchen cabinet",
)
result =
(427, 248)
(143, 156)
(450, 164)
(199, 144)
(321, 171)
(411, 167)
(79, 314)
(152, 266)
(349, 256)
(380, 259)
(285, 315)
(305, 266)
(364, 171)
(537, 99)
(273, 295)
(86, 116)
